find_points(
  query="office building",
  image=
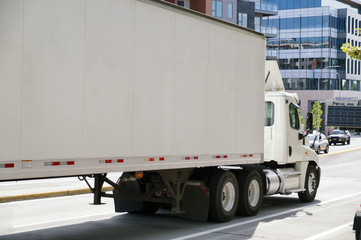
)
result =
(307, 48)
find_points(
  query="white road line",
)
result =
(329, 232)
(263, 218)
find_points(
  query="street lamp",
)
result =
(318, 82)
(340, 85)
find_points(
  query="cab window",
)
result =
(269, 114)
(294, 118)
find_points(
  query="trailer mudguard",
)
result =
(195, 201)
(123, 205)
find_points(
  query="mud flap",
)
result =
(120, 202)
(195, 201)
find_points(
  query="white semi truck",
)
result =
(173, 99)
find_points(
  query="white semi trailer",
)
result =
(172, 98)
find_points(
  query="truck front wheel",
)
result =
(311, 185)
(251, 193)
(357, 234)
(223, 189)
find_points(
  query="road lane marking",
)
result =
(263, 218)
(329, 232)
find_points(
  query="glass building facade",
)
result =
(308, 43)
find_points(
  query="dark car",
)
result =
(339, 136)
(319, 143)
(357, 223)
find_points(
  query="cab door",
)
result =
(295, 145)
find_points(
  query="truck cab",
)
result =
(285, 144)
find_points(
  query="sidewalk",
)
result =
(42, 188)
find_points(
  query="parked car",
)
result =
(319, 142)
(339, 136)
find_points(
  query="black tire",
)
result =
(357, 234)
(250, 193)
(223, 203)
(327, 149)
(149, 208)
(318, 150)
(344, 142)
(311, 187)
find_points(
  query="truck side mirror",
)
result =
(309, 122)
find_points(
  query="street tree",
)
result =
(353, 51)
(317, 115)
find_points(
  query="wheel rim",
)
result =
(228, 196)
(253, 193)
(312, 183)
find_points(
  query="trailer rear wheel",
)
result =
(223, 196)
(251, 193)
(311, 185)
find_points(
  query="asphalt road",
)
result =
(330, 216)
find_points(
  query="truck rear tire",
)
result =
(311, 185)
(223, 189)
(251, 193)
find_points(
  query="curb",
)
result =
(335, 153)
(50, 194)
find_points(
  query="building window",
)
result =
(242, 19)
(230, 10)
(181, 3)
(213, 8)
(217, 8)
(356, 22)
(348, 65)
(355, 66)
(348, 24)
(257, 24)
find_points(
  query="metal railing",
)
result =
(271, 53)
(266, 29)
(270, 7)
